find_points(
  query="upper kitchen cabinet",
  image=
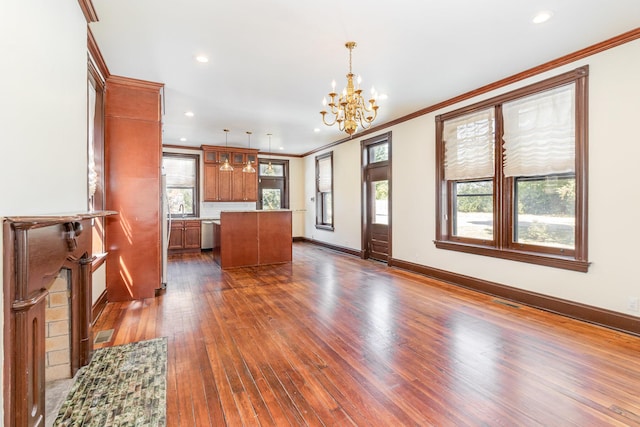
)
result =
(133, 155)
(232, 186)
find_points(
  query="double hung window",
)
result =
(324, 191)
(181, 172)
(512, 175)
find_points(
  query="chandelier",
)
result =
(350, 110)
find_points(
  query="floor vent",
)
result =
(508, 304)
(103, 336)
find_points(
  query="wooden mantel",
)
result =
(36, 248)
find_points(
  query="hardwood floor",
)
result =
(334, 340)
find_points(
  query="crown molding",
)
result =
(88, 10)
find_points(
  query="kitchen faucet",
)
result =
(181, 209)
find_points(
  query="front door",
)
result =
(376, 233)
(377, 184)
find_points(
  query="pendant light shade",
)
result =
(248, 168)
(226, 166)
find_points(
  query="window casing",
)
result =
(273, 184)
(95, 154)
(324, 191)
(512, 175)
(181, 172)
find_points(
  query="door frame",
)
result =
(364, 160)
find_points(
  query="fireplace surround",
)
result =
(36, 249)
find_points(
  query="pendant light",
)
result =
(248, 168)
(269, 170)
(226, 167)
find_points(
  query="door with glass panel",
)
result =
(273, 192)
(377, 198)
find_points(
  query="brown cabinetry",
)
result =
(253, 238)
(233, 186)
(185, 236)
(133, 152)
(244, 187)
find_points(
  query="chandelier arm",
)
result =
(324, 120)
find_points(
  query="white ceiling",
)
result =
(271, 62)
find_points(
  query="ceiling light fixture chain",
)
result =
(350, 110)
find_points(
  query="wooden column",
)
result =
(133, 154)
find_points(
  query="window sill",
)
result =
(324, 227)
(515, 255)
(98, 260)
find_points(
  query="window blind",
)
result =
(324, 175)
(539, 133)
(91, 117)
(181, 172)
(469, 146)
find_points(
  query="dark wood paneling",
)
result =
(274, 237)
(133, 99)
(239, 239)
(132, 162)
(254, 238)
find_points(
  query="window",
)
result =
(378, 153)
(95, 154)
(511, 175)
(324, 191)
(181, 171)
(273, 184)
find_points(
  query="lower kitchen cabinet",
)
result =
(185, 236)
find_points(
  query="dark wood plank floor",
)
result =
(334, 340)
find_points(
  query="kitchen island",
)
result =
(247, 238)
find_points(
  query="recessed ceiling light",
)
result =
(202, 58)
(189, 113)
(542, 16)
(183, 139)
(316, 130)
(282, 148)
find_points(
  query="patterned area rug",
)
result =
(122, 386)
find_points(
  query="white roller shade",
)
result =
(180, 171)
(469, 146)
(539, 133)
(91, 117)
(324, 175)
